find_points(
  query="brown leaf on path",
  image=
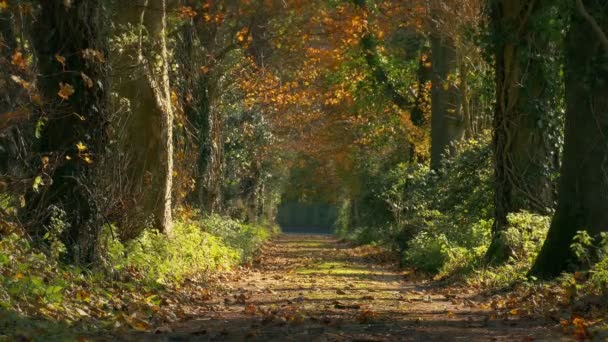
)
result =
(250, 309)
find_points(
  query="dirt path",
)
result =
(315, 288)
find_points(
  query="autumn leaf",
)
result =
(21, 82)
(18, 60)
(81, 147)
(87, 80)
(36, 99)
(186, 12)
(241, 36)
(250, 309)
(61, 60)
(93, 55)
(3, 5)
(65, 90)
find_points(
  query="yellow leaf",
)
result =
(65, 90)
(515, 312)
(3, 5)
(81, 147)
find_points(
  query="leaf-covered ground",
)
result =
(316, 288)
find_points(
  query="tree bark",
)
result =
(522, 153)
(164, 100)
(447, 122)
(583, 188)
(148, 137)
(72, 141)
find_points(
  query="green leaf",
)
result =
(39, 127)
(37, 183)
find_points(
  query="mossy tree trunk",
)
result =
(523, 97)
(70, 43)
(148, 137)
(583, 188)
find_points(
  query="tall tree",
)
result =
(447, 122)
(583, 187)
(163, 98)
(70, 44)
(523, 100)
(145, 84)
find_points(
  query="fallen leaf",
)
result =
(81, 312)
(250, 309)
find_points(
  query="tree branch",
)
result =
(596, 27)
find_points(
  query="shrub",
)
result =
(525, 235)
(197, 245)
(445, 215)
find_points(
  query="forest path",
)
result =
(316, 288)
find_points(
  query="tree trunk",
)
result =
(213, 170)
(523, 97)
(583, 188)
(148, 137)
(164, 100)
(73, 139)
(421, 109)
(447, 124)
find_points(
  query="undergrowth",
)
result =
(442, 222)
(132, 285)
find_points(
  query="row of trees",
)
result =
(118, 112)
(410, 80)
(534, 43)
(216, 104)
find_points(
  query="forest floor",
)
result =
(317, 288)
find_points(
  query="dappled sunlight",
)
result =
(303, 170)
(339, 295)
